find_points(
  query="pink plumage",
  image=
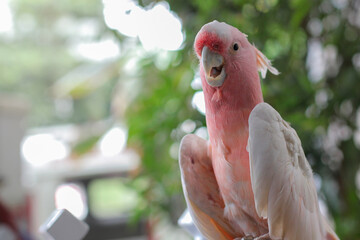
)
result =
(225, 189)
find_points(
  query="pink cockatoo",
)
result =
(251, 180)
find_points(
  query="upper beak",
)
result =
(213, 64)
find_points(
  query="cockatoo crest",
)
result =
(264, 64)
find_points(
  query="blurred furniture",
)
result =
(108, 228)
(8, 224)
(82, 172)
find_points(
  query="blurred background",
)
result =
(95, 96)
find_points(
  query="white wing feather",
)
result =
(282, 179)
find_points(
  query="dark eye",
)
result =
(236, 46)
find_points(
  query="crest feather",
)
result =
(264, 64)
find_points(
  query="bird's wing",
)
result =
(201, 189)
(282, 178)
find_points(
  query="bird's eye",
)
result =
(236, 47)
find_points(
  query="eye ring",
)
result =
(236, 47)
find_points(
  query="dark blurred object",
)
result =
(8, 220)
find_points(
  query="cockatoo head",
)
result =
(224, 51)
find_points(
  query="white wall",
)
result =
(12, 128)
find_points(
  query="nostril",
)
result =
(215, 46)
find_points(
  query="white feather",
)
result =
(282, 179)
(264, 64)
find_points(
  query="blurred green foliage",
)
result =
(155, 98)
(283, 30)
(110, 198)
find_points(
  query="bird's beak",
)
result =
(213, 64)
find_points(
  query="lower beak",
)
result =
(213, 64)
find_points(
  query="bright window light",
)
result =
(157, 27)
(162, 29)
(40, 149)
(198, 102)
(6, 21)
(98, 51)
(124, 16)
(202, 132)
(113, 142)
(72, 198)
(188, 126)
(186, 218)
(315, 61)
